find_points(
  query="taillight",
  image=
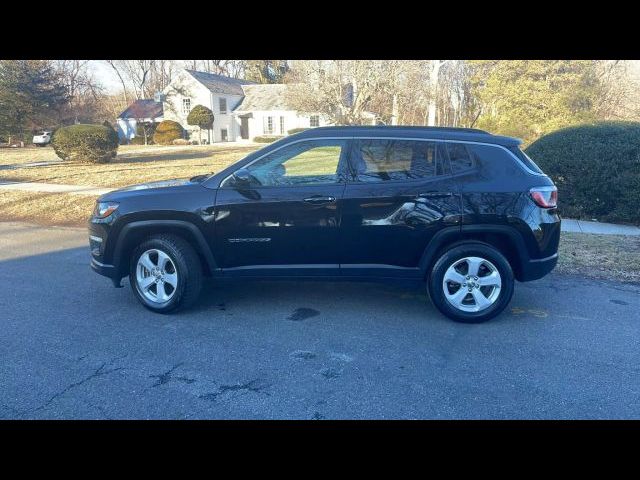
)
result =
(545, 197)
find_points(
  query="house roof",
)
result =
(264, 97)
(143, 109)
(219, 83)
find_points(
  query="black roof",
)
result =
(436, 133)
(143, 109)
(220, 83)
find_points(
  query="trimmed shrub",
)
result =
(296, 130)
(167, 131)
(181, 141)
(266, 138)
(596, 168)
(85, 143)
(201, 117)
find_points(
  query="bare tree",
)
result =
(84, 90)
(117, 69)
(342, 90)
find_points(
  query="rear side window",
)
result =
(396, 160)
(524, 158)
(459, 158)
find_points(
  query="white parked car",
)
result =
(43, 139)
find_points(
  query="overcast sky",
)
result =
(104, 73)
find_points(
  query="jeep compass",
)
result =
(464, 211)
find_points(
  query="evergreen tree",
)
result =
(31, 95)
(529, 98)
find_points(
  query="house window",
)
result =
(223, 135)
(223, 105)
(268, 125)
(186, 105)
(282, 125)
(314, 120)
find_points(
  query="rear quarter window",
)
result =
(524, 158)
(494, 161)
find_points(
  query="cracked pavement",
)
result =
(73, 347)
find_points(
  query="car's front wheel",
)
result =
(165, 273)
(471, 282)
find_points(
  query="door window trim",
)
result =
(447, 140)
(352, 139)
(344, 157)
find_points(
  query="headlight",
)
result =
(104, 209)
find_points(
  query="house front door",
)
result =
(244, 128)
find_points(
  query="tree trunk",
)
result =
(394, 110)
(433, 93)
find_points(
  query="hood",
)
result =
(142, 188)
(176, 182)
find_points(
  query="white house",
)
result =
(242, 110)
(140, 111)
(218, 93)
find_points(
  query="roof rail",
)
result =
(412, 127)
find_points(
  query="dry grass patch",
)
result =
(61, 209)
(17, 156)
(613, 257)
(134, 164)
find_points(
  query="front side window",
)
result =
(313, 162)
(186, 105)
(314, 120)
(378, 160)
(223, 105)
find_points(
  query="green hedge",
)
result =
(167, 131)
(296, 130)
(596, 168)
(85, 143)
(266, 138)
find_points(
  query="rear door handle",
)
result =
(319, 199)
(435, 194)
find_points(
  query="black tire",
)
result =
(449, 258)
(188, 269)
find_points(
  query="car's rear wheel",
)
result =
(165, 273)
(471, 282)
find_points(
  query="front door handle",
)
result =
(435, 194)
(319, 199)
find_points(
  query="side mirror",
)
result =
(242, 178)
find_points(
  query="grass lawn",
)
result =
(613, 257)
(134, 164)
(60, 209)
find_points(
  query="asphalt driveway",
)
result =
(72, 346)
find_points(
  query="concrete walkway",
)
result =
(53, 188)
(568, 225)
(583, 226)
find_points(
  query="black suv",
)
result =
(466, 211)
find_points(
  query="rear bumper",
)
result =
(538, 268)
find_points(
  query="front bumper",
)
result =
(104, 269)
